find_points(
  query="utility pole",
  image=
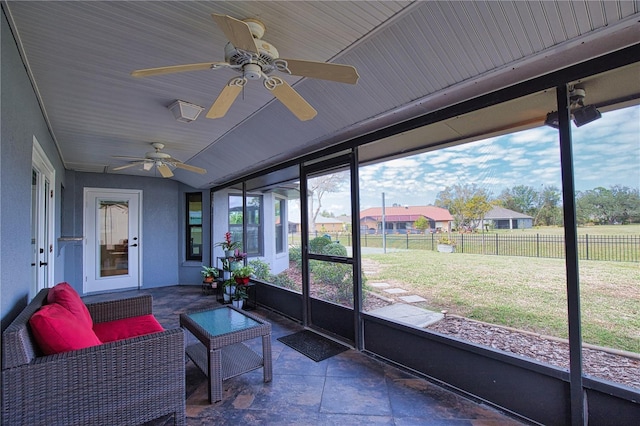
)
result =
(384, 228)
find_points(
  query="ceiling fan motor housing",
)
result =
(268, 54)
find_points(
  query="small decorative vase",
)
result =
(238, 303)
(228, 253)
(235, 265)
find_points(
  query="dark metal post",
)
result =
(356, 251)
(571, 259)
(304, 245)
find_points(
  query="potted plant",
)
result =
(229, 290)
(446, 244)
(236, 260)
(228, 245)
(242, 275)
(209, 273)
(239, 297)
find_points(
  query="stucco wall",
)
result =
(161, 223)
(21, 119)
(162, 211)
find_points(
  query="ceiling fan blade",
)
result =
(126, 166)
(226, 98)
(290, 98)
(124, 157)
(177, 68)
(237, 32)
(165, 171)
(323, 71)
(190, 168)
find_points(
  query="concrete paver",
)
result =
(408, 314)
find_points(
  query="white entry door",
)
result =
(112, 232)
(42, 220)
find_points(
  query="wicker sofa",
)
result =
(125, 382)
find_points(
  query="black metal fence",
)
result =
(616, 248)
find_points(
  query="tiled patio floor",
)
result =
(348, 389)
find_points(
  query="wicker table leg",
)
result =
(266, 358)
(215, 376)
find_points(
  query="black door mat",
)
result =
(313, 345)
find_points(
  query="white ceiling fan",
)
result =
(257, 59)
(160, 160)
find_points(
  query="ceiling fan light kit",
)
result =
(160, 160)
(256, 59)
(185, 112)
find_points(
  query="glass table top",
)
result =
(223, 320)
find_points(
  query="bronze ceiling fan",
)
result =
(257, 59)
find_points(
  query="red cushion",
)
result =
(56, 330)
(68, 297)
(126, 328)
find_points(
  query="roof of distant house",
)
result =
(407, 214)
(324, 219)
(498, 212)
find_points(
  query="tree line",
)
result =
(469, 203)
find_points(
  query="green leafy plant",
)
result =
(209, 271)
(243, 272)
(240, 294)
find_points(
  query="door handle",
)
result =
(43, 263)
(134, 245)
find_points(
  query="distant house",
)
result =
(501, 218)
(324, 224)
(401, 220)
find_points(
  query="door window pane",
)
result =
(329, 211)
(113, 225)
(194, 226)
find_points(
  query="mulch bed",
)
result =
(598, 363)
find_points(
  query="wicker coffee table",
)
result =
(220, 353)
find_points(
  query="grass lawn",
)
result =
(522, 292)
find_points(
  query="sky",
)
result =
(606, 153)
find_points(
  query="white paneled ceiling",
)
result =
(412, 57)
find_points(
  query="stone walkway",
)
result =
(401, 310)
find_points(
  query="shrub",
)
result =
(317, 244)
(261, 269)
(335, 275)
(335, 249)
(295, 255)
(283, 280)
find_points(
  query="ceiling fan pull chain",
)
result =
(282, 65)
(272, 82)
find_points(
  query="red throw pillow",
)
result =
(68, 297)
(126, 328)
(56, 330)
